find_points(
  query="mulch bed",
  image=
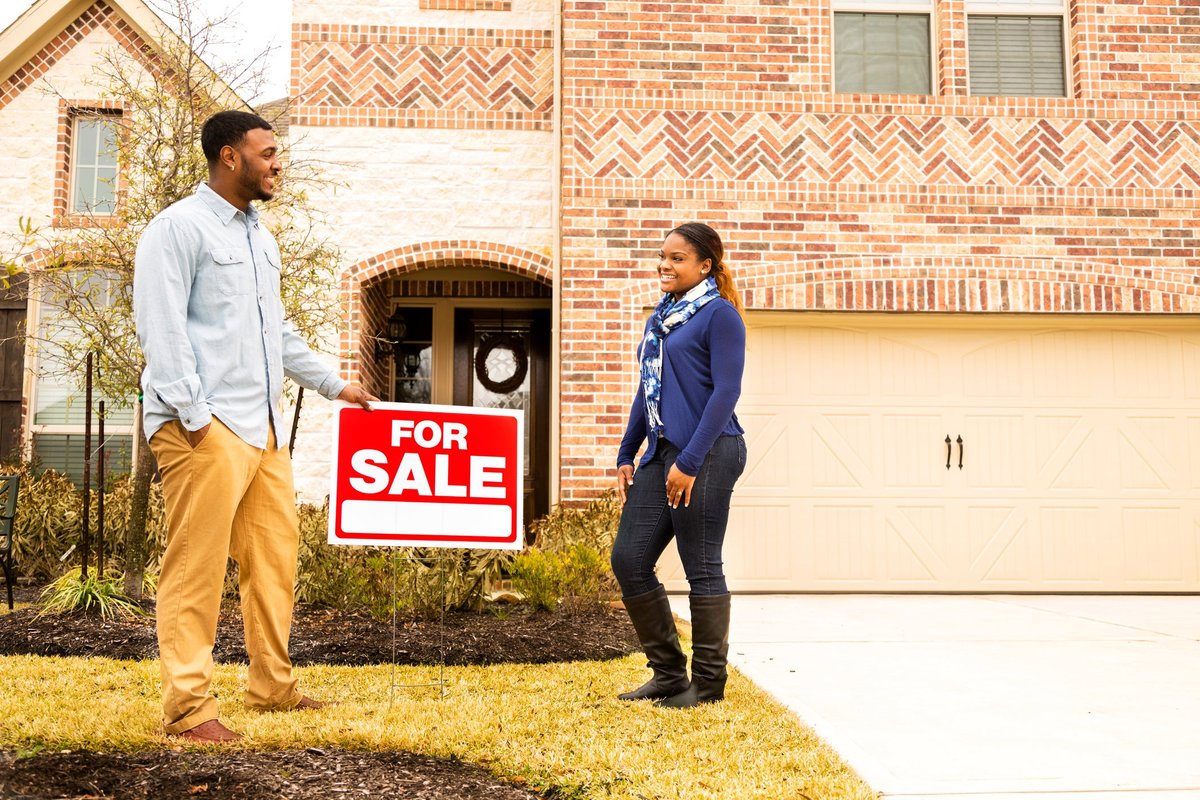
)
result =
(516, 634)
(313, 773)
(513, 634)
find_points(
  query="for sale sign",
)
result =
(427, 476)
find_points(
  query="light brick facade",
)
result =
(435, 128)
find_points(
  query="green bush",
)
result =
(100, 594)
(50, 522)
(570, 560)
(594, 525)
(574, 579)
(366, 577)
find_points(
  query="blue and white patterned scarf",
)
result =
(668, 315)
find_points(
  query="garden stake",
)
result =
(295, 420)
(87, 475)
(100, 494)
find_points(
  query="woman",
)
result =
(691, 376)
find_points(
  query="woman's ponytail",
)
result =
(709, 246)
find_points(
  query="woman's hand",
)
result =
(679, 487)
(624, 480)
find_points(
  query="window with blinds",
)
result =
(59, 400)
(881, 53)
(1016, 55)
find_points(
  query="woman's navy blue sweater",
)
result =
(701, 382)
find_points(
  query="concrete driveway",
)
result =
(988, 697)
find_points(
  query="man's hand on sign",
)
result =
(357, 395)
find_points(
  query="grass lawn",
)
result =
(548, 726)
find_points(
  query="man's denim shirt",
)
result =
(210, 321)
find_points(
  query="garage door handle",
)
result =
(960, 451)
(949, 449)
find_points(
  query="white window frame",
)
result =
(927, 7)
(1026, 8)
(85, 115)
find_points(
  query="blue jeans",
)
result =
(648, 523)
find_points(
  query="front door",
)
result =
(484, 356)
(502, 360)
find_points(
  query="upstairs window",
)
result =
(1016, 52)
(880, 52)
(94, 163)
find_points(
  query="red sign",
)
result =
(427, 476)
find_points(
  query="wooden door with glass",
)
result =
(484, 356)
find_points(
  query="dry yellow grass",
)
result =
(556, 725)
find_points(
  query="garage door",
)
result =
(921, 453)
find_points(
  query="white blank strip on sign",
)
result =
(427, 519)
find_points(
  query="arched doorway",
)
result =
(453, 333)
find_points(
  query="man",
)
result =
(210, 322)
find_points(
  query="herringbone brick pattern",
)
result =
(888, 149)
(466, 5)
(415, 77)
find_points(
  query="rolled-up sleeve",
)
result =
(306, 368)
(162, 284)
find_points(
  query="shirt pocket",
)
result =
(231, 273)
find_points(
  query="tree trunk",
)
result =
(135, 535)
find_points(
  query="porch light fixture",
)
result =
(389, 341)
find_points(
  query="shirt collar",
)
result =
(222, 207)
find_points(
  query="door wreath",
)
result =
(515, 344)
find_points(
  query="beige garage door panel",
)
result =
(1080, 451)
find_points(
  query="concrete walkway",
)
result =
(988, 697)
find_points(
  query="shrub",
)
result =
(575, 579)
(594, 525)
(424, 581)
(96, 593)
(571, 556)
(49, 522)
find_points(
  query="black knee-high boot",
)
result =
(710, 652)
(650, 613)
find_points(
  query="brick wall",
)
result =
(723, 112)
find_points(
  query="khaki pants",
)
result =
(224, 498)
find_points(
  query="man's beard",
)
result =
(254, 188)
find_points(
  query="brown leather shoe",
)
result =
(211, 732)
(307, 704)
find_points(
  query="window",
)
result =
(880, 53)
(94, 163)
(58, 398)
(1015, 51)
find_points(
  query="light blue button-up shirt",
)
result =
(210, 322)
